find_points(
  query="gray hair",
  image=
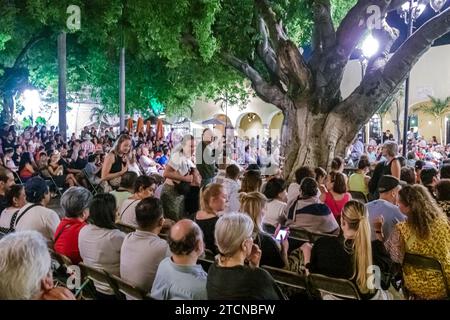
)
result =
(391, 148)
(24, 262)
(75, 200)
(231, 231)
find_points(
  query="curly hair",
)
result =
(423, 210)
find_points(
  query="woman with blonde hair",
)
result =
(274, 253)
(229, 277)
(426, 232)
(212, 201)
(115, 164)
(349, 256)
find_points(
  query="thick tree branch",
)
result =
(375, 89)
(276, 32)
(324, 34)
(386, 36)
(414, 47)
(267, 92)
(329, 68)
(31, 43)
(266, 53)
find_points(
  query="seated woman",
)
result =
(212, 201)
(56, 170)
(335, 196)
(350, 256)
(100, 241)
(26, 169)
(75, 203)
(115, 164)
(144, 187)
(275, 192)
(443, 195)
(15, 200)
(273, 253)
(229, 278)
(426, 232)
(359, 181)
(8, 161)
(309, 213)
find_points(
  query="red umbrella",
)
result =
(159, 129)
(140, 125)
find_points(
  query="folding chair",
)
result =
(129, 290)
(423, 262)
(50, 179)
(60, 266)
(291, 284)
(359, 196)
(125, 227)
(91, 185)
(205, 263)
(100, 276)
(341, 288)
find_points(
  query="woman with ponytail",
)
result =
(274, 253)
(212, 201)
(351, 255)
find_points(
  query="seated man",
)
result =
(25, 269)
(143, 250)
(180, 277)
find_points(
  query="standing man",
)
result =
(205, 161)
(6, 181)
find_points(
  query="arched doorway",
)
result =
(275, 125)
(250, 125)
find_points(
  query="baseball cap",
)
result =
(35, 188)
(388, 182)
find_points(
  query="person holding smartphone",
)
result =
(274, 253)
(236, 273)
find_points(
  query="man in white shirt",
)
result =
(34, 215)
(143, 250)
(231, 188)
(180, 277)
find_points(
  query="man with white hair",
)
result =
(25, 269)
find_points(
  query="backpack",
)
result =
(15, 220)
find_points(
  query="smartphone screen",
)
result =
(281, 235)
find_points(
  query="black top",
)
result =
(240, 283)
(208, 226)
(117, 165)
(387, 167)
(270, 252)
(330, 257)
(79, 164)
(3, 204)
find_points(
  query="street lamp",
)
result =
(368, 48)
(410, 11)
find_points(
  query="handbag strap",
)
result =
(25, 211)
(127, 208)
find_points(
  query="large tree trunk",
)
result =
(62, 85)
(310, 139)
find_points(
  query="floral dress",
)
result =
(420, 283)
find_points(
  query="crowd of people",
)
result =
(244, 215)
